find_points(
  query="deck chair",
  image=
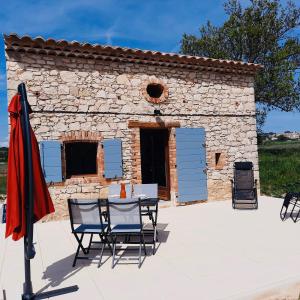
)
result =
(85, 218)
(290, 199)
(124, 219)
(244, 187)
(147, 192)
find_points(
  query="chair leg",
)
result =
(154, 241)
(109, 246)
(78, 248)
(90, 243)
(114, 252)
(143, 236)
(140, 250)
(293, 210)
(282, 215)
(104, 239)
(79, 241)
(295, 219)
(297, 216)
(101, 254)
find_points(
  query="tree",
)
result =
(265, 33)
(282, 138)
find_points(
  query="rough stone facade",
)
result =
(95, 99)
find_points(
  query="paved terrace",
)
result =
(206, 251)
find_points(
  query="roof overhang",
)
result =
(41, 46)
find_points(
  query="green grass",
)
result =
(279, 165)
(2, 184)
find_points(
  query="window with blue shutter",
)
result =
(191, 164)
(50, 152)
(81, 158)
(113, 164)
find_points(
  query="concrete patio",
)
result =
(206, 251)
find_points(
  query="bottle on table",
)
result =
(123, 191)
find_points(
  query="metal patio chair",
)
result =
(86, 218)
(3, 213)
(148, 193)
(244, 186)
(114, 193)
(125, 220)
(290, 199)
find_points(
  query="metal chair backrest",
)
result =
(114, 191)
(84, 211)
(124, 211)
(2, 213)
(243, 176)
(145, 190)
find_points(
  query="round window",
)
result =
(155, 90)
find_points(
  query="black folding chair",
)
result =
(3, 214)
(152, 211)
(125, 221)
(244, 186)
(290, 199)
(86, 218)
(148, 194)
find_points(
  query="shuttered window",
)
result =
(191, 164)
(113, 165)
(50, 152)
(81, 158)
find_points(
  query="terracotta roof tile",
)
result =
(13, 42)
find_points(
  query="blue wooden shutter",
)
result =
(50, 152)
(113, 158)
(191, 164)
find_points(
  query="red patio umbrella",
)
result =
(15, 218)
(28, 198)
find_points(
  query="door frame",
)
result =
(135, 127)
(163, 191)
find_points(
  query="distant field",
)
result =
(3, 167)
(279, 164)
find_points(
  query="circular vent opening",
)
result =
(155, 90)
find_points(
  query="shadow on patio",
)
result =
(61, 270)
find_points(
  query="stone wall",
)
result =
(103, 97)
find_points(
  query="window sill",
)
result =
(80, 179)
(92, 178)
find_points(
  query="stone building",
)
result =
(106, 114)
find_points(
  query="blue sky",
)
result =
(151, 24)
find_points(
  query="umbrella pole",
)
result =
(29, 251)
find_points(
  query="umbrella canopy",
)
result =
(16, 198)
